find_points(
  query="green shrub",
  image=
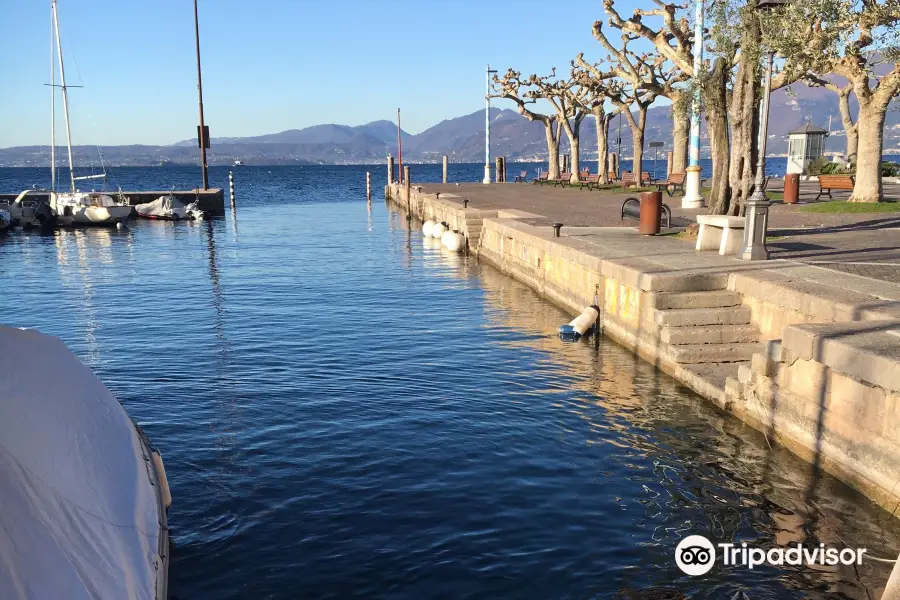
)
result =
(890, 169)
(823, 166)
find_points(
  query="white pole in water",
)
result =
(52, 112)
(65, 93)
(368, 186)
(231, 187)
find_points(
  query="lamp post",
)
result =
(757, 206)
(692, 197)
(487, 126)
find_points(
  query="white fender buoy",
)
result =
(438, 230)
(585, 320)
(426, 227)
(165, 493)
(453, 241)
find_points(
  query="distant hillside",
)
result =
(461, 138)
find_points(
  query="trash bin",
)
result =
(791, 188)
(651, 211)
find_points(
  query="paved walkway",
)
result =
(860, 244)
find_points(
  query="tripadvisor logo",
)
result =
(695, 555)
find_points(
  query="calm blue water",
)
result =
(348, 411)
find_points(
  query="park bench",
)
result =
(720, 232)
(631, 208)
(834, 182)
(673, 181)
(611, 176)
(590, 181)
(522, 176)
(627, 180)
(563, 180)
(542, 178)
(645, 178)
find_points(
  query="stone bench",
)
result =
(720, 232)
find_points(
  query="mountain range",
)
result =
(461, 138)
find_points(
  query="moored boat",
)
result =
(164, 208)
(88, 208)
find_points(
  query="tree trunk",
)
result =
(850, 128)
(745, 119)
(868, 162)
(602, 143)
(637, 142)
(715, 101)
(552, 148)
(573, 133)
(681, 125)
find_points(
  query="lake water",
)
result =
(347, 411)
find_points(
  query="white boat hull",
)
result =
(96, 215)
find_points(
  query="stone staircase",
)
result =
(474, 227)
(703, 327)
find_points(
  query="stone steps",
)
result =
(713, 353)
(706, 299)
(684, 317)
(710, 334)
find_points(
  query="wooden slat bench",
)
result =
(674, 181)
(627, 180)
(645, 178)
(834, 182)
(542, 178)
(590, 181)
(720, 232)
(563, 180)
(611, 176)
(522, 176)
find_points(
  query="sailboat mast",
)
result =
(52, 112)
(65, 94)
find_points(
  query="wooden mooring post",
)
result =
(445, 168)
(231, 188)
(390, 167)
(406, 182)
(503, 163)
(498, 168)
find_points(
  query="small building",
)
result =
(805, 144)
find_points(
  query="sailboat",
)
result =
(75, 207)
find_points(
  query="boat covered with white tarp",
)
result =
(166, 208)
(83, 493)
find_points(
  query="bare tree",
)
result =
(525, 92)
(600, 86)
(648, 76)
(852, 39)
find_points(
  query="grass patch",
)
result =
(844, 207)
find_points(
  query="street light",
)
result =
(692, 197)
(757, 206)
(487, 126)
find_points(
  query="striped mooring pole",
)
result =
(231, 187)
(368, 186)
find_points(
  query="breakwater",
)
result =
(809, 357)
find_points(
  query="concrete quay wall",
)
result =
(826, 386)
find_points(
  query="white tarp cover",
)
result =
(78, 512)
(164, 206)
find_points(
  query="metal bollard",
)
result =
(231, 187)
(556, 228)
(465, 203)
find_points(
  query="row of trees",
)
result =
(650, 55)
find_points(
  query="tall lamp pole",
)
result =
(487, 126)
(756, 217)
(203, 135)
(692, 197)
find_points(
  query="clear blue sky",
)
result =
(271, 65)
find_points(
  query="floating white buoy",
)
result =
(438, 230)
(120, 226)
(453, 241)
(426, 228)
(585, 320)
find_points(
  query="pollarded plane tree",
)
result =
(650, 76)
(524, 93)
(858, 40)
(600, 87)
(729, 84)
